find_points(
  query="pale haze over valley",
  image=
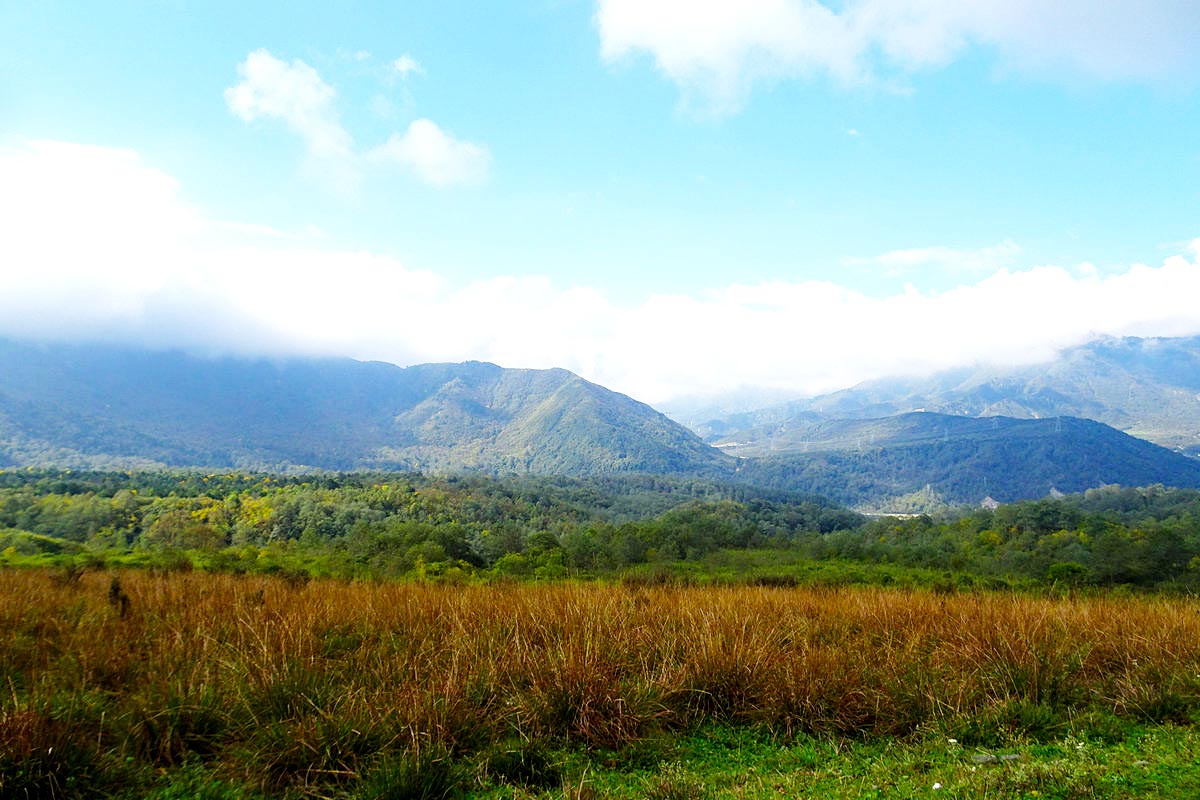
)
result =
(667, 198)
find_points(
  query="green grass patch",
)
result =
(1160, 761)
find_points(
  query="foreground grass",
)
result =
(1158, 761)
(194, 685)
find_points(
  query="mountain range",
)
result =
(107, 407)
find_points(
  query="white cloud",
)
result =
(720, 48)
(97, 244)
(295, 94)
(434, 155)
(406, 65)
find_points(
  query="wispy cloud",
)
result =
(948, 260)
(720, 50)
(296, 95)
(406, 65)
(98, 244)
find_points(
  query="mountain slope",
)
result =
(901, 463)
(1149, 388)
(100, 406)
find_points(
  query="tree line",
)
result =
(396, 525)
(411, 525)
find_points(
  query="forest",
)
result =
(459, 528)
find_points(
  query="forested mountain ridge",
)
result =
(101, 406)
(1149, 388)
(918, 461)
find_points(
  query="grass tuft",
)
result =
(522, 762)
(425, 774)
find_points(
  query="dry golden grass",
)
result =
(299, 685)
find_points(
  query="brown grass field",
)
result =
(294, 687)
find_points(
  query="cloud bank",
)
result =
(98, 245)
(296, 95)
(720, 49)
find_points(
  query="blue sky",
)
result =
(667, 197)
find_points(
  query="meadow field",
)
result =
(187, 684)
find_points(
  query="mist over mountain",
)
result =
(696, 410)
(1149, 388)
